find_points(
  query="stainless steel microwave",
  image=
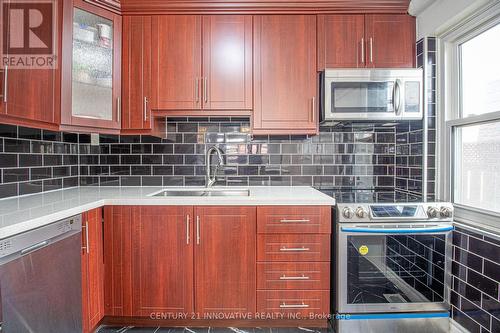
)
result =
(371, 94)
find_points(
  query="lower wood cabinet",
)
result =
(163, 258)
(92, 270)
(225, 259)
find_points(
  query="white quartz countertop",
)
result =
(20, 214)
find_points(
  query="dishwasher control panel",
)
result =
(32, 240)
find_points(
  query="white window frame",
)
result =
(449, 110)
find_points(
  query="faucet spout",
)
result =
(211, 177)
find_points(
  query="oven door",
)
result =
(393, 267)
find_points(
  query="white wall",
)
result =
(435, 16)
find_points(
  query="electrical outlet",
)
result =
(94, 139)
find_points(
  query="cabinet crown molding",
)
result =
(262, 6)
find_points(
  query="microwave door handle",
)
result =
(396, 97)
(398, 230)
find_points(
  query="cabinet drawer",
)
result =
(294, 219)
(292, 247)
(293, 275)
(302, 302)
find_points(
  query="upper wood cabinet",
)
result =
(92, 270)
(227, 62)
(176, 64)
(372, 40)
(341, 41)
(225, 271)
(31, 97)
(194, 71)
(91, 84)
(390, 40)
(285, 75)
(136, 73)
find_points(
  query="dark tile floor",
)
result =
(111, 329)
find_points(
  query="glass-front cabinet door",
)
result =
(91, 88)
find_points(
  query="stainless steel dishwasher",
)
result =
(40, 279)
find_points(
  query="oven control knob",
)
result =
(347, 212)
(445, 212)
(361, 213)
(432, 212)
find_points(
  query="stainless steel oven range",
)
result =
(393, 267)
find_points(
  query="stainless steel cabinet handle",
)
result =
(187, 229)
(197, 89)
(34, 247)
(197, 230)
(205, 89)
(87, 236)
(293, 306)
(362, 50)
(313, 106)
(295, 221)
(396, 98)
(303, 277)
(294, 249)
(371, 50)
(119, 108)
(145, 107)
(5, 83)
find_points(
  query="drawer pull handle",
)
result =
(303, 277)
(294, 249)
(293, 306)
(295, 221)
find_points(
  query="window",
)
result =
(473, 118)
(480, 73)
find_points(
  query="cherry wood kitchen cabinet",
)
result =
(225, 272)
(118, 260)
(162, 260)
(31, 97)
(341, 41)
(371, 40)
(91, 64)
(176, 62)
(192, 70)
(285, 74)
(92, 270)
(227, 62)
(179, 259)
(390, 40)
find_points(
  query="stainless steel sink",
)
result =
(203, 193)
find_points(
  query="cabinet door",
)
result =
(92, 67)
(176, 62)
(341, 41)
(93, 272)
(162, 260)
(390, 40)
(30, 97)
(225, 265)
(118, 260)
(227, 62)
(136, 81)
(285, 74)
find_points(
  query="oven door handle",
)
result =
(398, 230)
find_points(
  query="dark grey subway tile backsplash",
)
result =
(475, 297)
(347, 157)
(35, 160)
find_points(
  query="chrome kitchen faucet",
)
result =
(211, 177)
